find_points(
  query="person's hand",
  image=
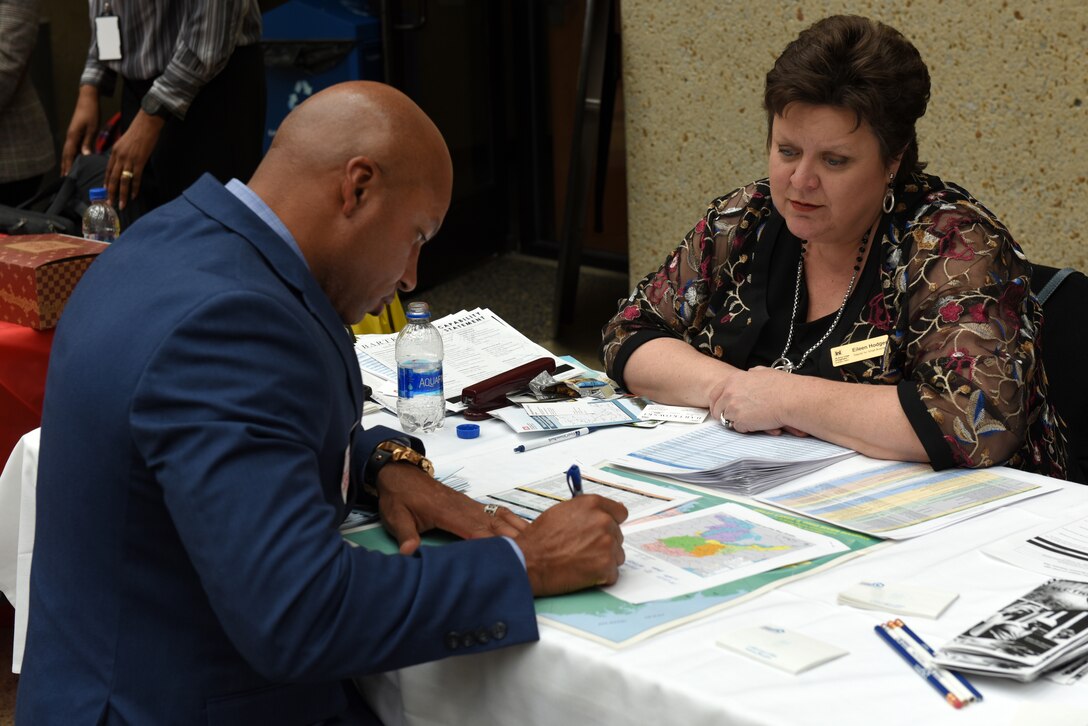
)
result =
(81, 129)
(129, 157)
(574, 545)
(411, 502)
(752, 401)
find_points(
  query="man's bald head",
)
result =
(360, 118)
(362, 179)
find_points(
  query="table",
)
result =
(682, 676)
(24, 357)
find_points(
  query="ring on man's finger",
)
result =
(126, 174)
(725, 422)
(490, 509)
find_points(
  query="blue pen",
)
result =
(918, 667)
(914, 636)
(574, 480)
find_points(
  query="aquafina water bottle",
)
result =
(420, 401)
(100, 221)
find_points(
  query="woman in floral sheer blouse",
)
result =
(848, 266)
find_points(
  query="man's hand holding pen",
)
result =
(573, 545)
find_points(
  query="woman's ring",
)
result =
(725, 422)
(490, 509)
(126, 174)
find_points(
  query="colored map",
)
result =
(598, 616)
(714, 544)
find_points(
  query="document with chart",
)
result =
(689, 553)
(714, 456)
(900, 500)
(641, 497)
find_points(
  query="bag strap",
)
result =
(1053, 283)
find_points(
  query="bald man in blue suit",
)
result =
(201, 442)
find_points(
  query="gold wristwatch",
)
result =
(387, 452)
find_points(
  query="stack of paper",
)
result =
(902, 500)
(478, 345)
(715, 456)
(1035, 633)
(898, 598)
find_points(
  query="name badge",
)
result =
(107, 31)
(862, 350)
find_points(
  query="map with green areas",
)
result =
(598, 616)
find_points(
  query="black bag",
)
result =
(57, 208)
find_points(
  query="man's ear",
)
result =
(361, 174)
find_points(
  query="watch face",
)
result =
(151, 106)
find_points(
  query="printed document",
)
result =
(1060, 551)
(574, 414)
(642, 498)
(715, 456)
(900, 500)
(478, 345)
(675, 556)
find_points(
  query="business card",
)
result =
(679, 414)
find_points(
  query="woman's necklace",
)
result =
(785, 364)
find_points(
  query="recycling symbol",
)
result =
(302, 91)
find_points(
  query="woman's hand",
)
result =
(753, 400)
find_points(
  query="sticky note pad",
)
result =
(787, 650)
(898, 598)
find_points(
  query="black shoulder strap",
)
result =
(1053, 283)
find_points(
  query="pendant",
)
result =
(783, 364)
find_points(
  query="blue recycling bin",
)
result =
(313, 44)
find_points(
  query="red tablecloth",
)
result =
(24, 357)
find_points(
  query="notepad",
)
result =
(787, 650)
(898, 598)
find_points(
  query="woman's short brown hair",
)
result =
(861, 65)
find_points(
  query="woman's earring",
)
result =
(889, 195)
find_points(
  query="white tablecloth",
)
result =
(17, 487)
(682, 676)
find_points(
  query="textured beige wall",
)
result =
(1007, 118)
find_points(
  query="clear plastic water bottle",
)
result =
(100, 221)
(420, 400)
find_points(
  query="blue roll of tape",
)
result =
(468, 431)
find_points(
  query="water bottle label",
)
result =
(412, 382)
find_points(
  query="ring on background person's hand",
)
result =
(490, 509)
(725, 422)
(126, 174)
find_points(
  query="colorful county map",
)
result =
(598, 616)
(718, 543)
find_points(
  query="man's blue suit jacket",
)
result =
(201, 396)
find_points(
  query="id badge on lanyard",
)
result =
(107, 31)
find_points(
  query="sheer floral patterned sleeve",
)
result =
(971, 340)
(672, 301)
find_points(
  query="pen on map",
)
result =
(549, 440)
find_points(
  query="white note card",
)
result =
(107, 31)
(785, 649)
(898, 598)
(679, 414)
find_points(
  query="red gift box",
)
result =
(38, 273)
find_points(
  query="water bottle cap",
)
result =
(98, 194)
(468, 431)
(417, 310)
